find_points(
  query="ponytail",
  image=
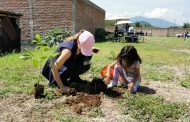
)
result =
(74, 37)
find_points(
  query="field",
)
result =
(163, 95)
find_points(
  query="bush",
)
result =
(109, 36)
(100, 34)
(55, 36)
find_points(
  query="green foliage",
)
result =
(112, 55)
(109, 36)
(100, 34)
(144, 24)
(67, 118)
(186, 25)
(138, 24)
(37, 60)
(109, 22)
(186, 82)
(157, 73)
(97, 112)
(55, 36)
(151, 108)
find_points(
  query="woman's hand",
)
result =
(65, 90)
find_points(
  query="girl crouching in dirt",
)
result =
(74, 58)
(126, 69)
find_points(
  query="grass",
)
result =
(162, 60)
(150, 108)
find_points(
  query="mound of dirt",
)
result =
(83, 102)
(89, 95)
(96, 86)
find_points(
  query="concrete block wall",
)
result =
(167, 32)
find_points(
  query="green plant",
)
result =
(37, 60)
(55, 36)
(186, 82)
(113, 55)
(37, 63)
(97, 112)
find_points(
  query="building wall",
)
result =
(167, 32)
(89, 16)
(39, 16)
(49, 14)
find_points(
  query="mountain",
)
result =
(143, 23)
(153, 21)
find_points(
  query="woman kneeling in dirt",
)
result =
(125, 69)
(73, 60)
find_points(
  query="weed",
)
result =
(97, 112)
(186, 82)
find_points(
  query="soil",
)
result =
(90, 95)
(38, 91)
(24, 107)
(83, 102)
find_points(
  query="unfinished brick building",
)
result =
(42, 15)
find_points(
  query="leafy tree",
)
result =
(137, 24)
(109, 22)
(55, 36)
(186, 25)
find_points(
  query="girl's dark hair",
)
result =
(129, 54)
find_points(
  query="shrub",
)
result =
(100, 34)
(55, 36)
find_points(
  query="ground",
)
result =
(99, 106)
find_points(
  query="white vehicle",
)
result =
(181, 35)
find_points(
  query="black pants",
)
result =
(81, 65)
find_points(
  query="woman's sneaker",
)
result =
(111, 85)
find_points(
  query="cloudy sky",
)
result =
(177, 11)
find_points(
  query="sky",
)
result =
(175, 11)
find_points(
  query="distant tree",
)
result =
(144, 24)
(138, 24)
(109, 22)
(186, 25)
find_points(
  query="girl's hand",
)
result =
(130, 87)
(106, 80)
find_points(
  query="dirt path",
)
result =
(112, 112)
(170, 91)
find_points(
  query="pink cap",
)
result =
(86, 40)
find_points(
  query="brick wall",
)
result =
(39, 16)
(49, 14)
(89, 16)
